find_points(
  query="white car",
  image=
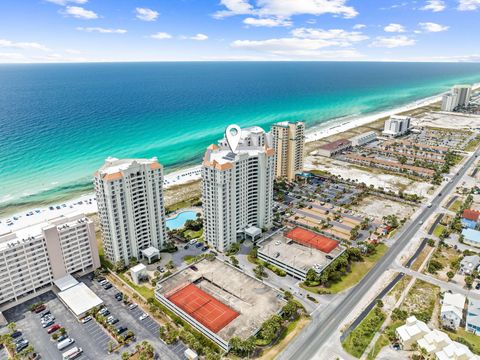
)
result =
(86, 319)
(132, 306)
(143, 316)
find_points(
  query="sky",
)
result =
(239, 30)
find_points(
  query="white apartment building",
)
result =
(289, 143)
(238, 188)
(396, 126)
(451, 312)
(459, 95)
(130, 207)
(31, 259)
(364, 138)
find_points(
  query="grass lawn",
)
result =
(182, 204)
(358, 270)
(381, 342)
(469, 339)
(472, 145)
(357, 341)
(146, 292)
(190, 234)
(438, 230)
(456, 205)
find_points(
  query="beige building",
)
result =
(289, 143)
(130, 207)
(31, 259)
(237, 188)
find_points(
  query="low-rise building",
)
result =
(396, 126)
(138, 273)
(470, 218)
(471, 237)
(412, 331)
(334, 148)
(31, 259)
(469, 264)
(451, 313)
(298, 250)
(435, 343)
(472, 322)
(364, 138)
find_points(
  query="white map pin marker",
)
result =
(232, 134)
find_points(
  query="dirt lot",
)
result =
(378, 207)
(368, 176)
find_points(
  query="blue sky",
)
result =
(202, 30)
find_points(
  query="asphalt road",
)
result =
(307, 347)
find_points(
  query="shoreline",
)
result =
(86, 203)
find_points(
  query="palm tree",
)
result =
(125, 355)
(12, 327)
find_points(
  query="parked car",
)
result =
(101, 278)
(120, 329)
(112, 320)
(53, 328)
(199, 245)
(16, 334)
(329, 257)
(143, 316)
(86, 319)
(39, 309)
(107, 286)
(21, 345)
(103, 282)
(477, 286)
(47, 324)
(205, 248)
(132, 306)
(193, 241)
(186, 247)
(119, 296)
(62, 337)
(45, 313)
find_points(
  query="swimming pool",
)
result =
(178, 221)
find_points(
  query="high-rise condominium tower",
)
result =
(289, 143)
(238, 188)
(130, 207)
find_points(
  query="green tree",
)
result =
(234, 260)
(450, 275)
(468, 281)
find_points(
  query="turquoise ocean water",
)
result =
(58, 122)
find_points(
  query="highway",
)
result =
(305, 348)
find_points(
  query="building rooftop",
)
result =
(335, 144)
(295, 254)
(253, 300)
(471, 235)
(470, 214)
(412, 328)
(79, 299)
(113, 166)
(65, 282)
(473, 312)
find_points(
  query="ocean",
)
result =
(58, 122)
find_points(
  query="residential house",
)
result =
(451, 313)
(412, 331)
(469, 264)
(471, 237)
(470, 218)
(472, 323)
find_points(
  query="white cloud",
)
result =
(397, 28)
(393, 42)
(80, 13)
(22, 45)
(359, 26)
(468, 5)
(146, 14)
(102, 30)
(199, 37)
(286, 9)
(73, 51)
(161, 36)
(65, 2)
(433, 27)
(434, 5)
(338, 37)
(268, 22)
(11, 56)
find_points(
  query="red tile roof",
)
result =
(471, 214)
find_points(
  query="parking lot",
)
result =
(90, 337)
(3, 354)
(147, 329)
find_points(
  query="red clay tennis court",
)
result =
(203, 307)
(309, 238)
